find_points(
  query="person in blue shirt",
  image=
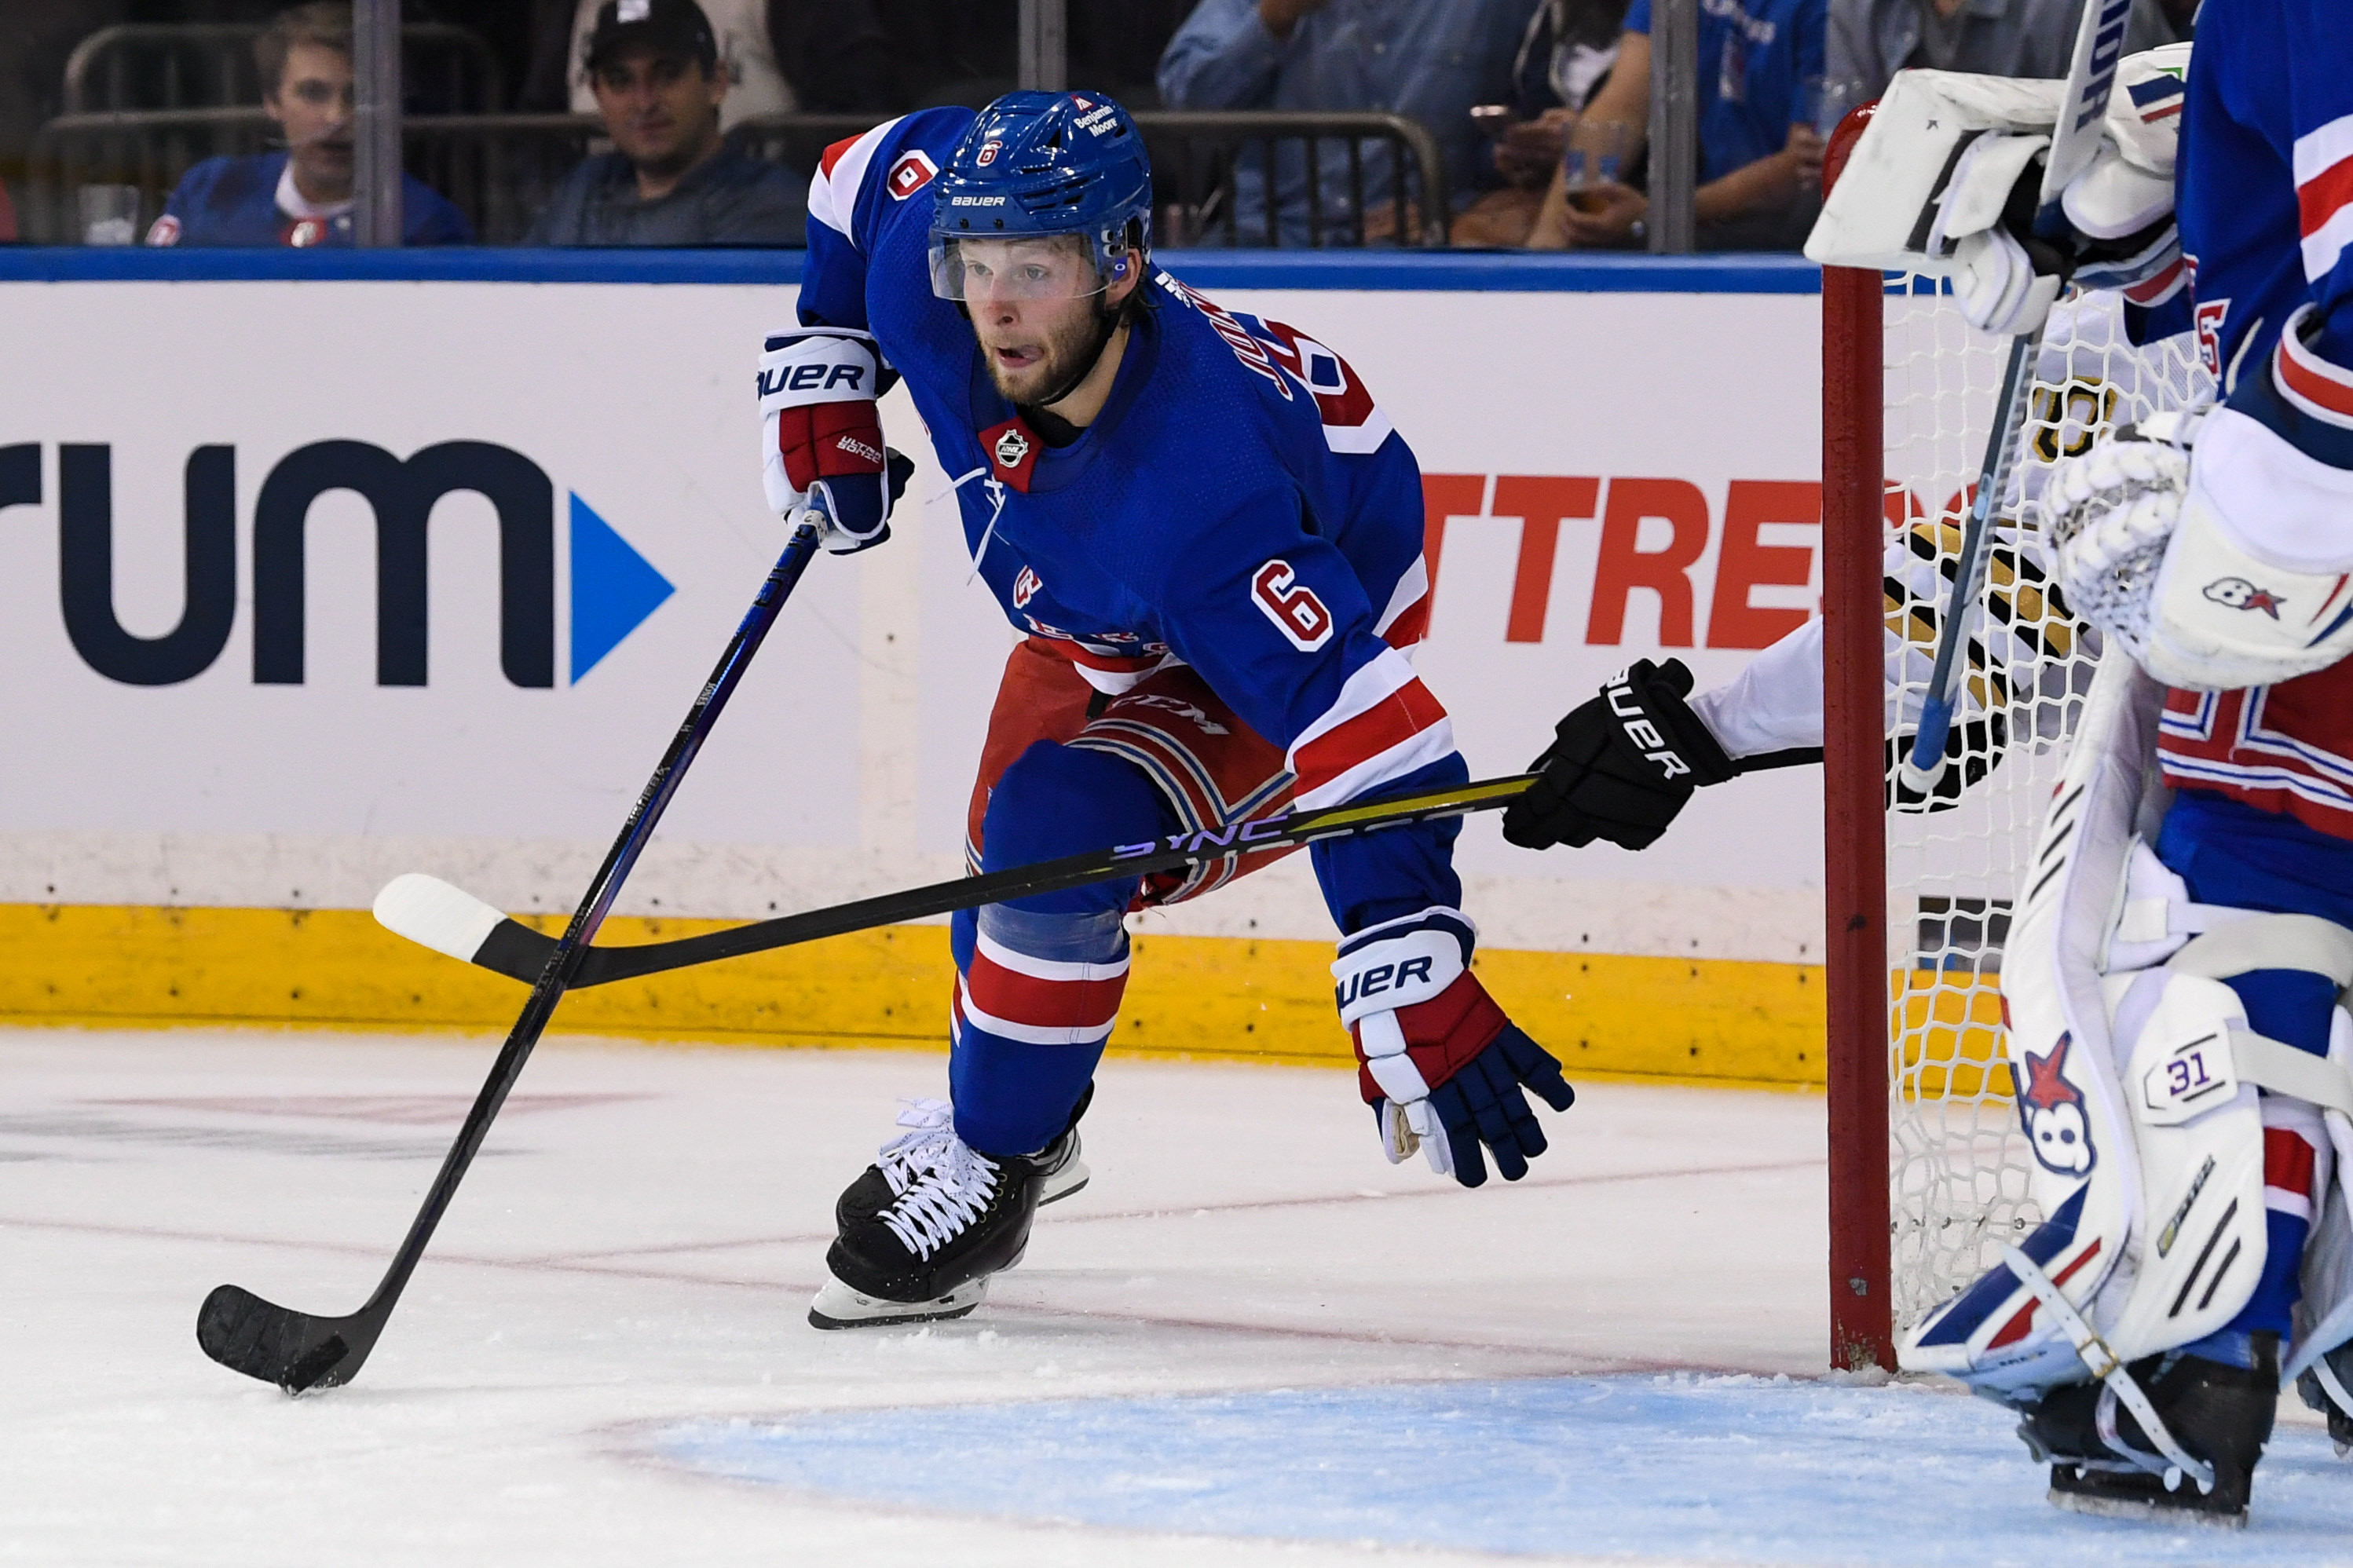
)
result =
(302, 197)
(1430, 59)
(1760, 162)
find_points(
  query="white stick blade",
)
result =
(432, 913)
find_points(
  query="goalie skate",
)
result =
(2102, 1463)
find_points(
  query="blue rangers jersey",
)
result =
(1241, 505)
(2264, 187)
(2264, 198)
(243, 201)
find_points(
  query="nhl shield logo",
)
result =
(1011, 447)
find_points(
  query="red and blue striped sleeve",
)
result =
(1278, 623)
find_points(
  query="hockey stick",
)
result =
(449, 919)
(297, 1351)
(2074, 141)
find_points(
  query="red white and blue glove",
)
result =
(821, 439)
(1441, 1066)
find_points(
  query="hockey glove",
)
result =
(2110, 513)
(1620, 765)
(1441, 1066)
(2119, 232)
(821, 437)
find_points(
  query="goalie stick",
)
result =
(447, 918)
(296, 1351)
(2074, 141)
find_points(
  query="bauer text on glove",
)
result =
(1442, 1067)
(821, 436)
(1622, 764)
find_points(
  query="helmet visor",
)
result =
(1029, 269)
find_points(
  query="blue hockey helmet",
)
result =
(1033, 166)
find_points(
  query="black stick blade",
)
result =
(264, 1340)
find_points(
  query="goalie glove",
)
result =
(821, 436)
(1622, 764)
(2210, 546)
(1438, 1061)
(2109, 515)
(2119, 231)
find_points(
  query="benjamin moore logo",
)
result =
(613, 588)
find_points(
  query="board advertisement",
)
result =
(305, 584)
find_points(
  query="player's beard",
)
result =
(1071, 350)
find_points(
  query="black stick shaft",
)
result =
(603, 965)
(564, 961)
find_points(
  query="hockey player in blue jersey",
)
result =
(1213, 542)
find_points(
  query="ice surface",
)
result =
(1732, 1469)
(605, 1358)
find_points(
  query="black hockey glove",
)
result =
(1620, 765)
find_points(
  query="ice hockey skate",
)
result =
(922, 1228)
(2102, 1463)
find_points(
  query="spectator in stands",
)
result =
(1430, 59)
(747, 60)
(671, 178)
(1760, 167)
(1564, 57)
(1870, 40)
(781, 56)
(303, 195)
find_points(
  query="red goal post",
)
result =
(1854, 817)
(1927, 1168)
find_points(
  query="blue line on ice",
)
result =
(1735, 1469)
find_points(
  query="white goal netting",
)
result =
(1958, 1163)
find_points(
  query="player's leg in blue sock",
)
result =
(1039, 979)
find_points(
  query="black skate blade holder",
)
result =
(2119, 1385)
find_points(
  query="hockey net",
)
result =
(1957, 1163)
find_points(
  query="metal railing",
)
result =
(1197, 154)
(210, 65)
(501, 169)
(498, 169)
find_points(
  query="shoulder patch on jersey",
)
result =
(910, 173)
(1292, 606)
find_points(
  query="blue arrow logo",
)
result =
(614, 588)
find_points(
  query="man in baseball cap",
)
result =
(670, 179)
(675, 27)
